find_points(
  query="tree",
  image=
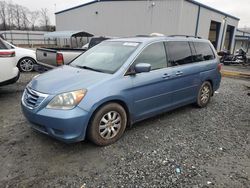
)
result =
(24, 17)
(10, 15)
(15, 16)
(45, 21)
(3, 13)
(33, 18)
(17, 13)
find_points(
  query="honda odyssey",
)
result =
(120, 82)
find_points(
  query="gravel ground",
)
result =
(187, 147)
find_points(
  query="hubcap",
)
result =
(110, 125)
(26, 65)
(205, 94)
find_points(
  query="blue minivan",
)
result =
(120, 82)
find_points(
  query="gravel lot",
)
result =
(187, 147)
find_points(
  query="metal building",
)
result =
(170, 17)
(242, 40)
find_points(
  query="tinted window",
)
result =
(2, 46)
(154, 55)
(179, 53)
(203, 51)
(8, 45)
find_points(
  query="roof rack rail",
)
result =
(187, 36)
(143, 36)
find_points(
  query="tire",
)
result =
(26, 64)
(204, 94)
(107, 124)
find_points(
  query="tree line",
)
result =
(15, 16)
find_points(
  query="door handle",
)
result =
(166, 75)
(179, 73)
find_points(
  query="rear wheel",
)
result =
(26, 64)
(108, 124)
(205, 94)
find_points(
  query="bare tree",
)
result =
(24, 17)
(10, 15)
(45, 21)
(3, 13)
(33, 18)
(17, 13)
(15, 16)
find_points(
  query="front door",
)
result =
(152, 90)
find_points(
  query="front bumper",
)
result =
(65, 125)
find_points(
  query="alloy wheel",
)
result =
(110, 125)
(26, 65)
(205, 94)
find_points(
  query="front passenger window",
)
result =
(154, 55)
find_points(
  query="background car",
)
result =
(25, 58)
(9, 73)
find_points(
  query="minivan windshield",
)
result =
(106, 57)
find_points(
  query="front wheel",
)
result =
(108, 124)
(26, 64)
(204, 94)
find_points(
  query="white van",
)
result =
(9, 72)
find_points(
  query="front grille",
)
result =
(32, 99)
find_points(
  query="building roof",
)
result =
(191, 1)
(212, 9)
(243, 32)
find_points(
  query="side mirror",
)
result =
(142, 67)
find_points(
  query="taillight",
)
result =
(59, 59)
(219, 66)
(7, 53)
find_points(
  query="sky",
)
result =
(239, 8)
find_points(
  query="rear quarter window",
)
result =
(204, 52)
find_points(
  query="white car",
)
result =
(9, 72)
(25, 58)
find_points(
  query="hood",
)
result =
(66, 79)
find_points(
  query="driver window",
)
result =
(154, 55)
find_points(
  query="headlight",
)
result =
(67, 101)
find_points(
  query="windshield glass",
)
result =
(106, 57)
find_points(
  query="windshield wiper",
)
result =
(88, 68)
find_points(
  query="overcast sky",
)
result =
(239, 8)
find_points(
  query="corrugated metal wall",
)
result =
(129, 18)
(123, 18)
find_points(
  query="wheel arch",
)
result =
(211, 82)
(118, 101)
(26, 57)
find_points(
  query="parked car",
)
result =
(25, 58)
(49, 58)
(9, 73)
(120, 82)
